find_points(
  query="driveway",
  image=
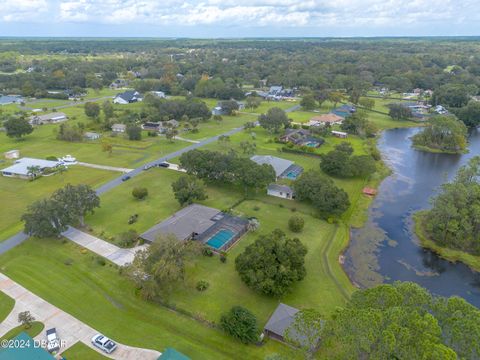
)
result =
(101, 247)
(105, 167)
(70, 330)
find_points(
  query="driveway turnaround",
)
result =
(101, 247)
(69, 329)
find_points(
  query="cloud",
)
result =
(248, 13)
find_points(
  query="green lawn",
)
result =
(6, 305)
(19, 193)
(100, 297)
(80, 351)
(35, 329)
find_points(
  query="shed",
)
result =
(12, 154)
(281, 191)
(92, 135)
(281, 319)
(339, 134)
(369, 191)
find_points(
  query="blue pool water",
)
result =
(291, 175)
(220, 238)
(312, 144)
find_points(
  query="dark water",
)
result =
(386, 248)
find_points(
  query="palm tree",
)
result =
(33, 171)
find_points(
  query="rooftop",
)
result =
(193, 219)
(51, 116)
(282, 188)
(278, 164)
(281, 319)
(21, 166)
(29, 351)
(327, 118)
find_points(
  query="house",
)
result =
(283, 168)
(127, 97)
(275, 90)
(281, 319)
(281, 191)
(159, 94)
(339, 134)
(439, 109)
(152, 126)
(344, 110)
(22, 167)
(301, 137)
(200, 223)
(324, 119)
(118, 84)
(119, 128)
(10, 99)
(28, 350)
(52, 118)
(12, 154)
(91, 135)
(219, 110)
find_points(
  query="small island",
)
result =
(451, 228)
(444, 134)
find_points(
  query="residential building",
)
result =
(281, 191)
(127, 97)
(12, 154)
(152, 126)
(325, 119)
(10, 99)
(92, 135)
(118, 84)
(344, 110)
(301, 137)
(200, 223)
(281, 319)
(119, 128)
(159, 94)
(28, 349)
(172, 354)
(339, 134)
(51, 118)
(22, 167)
(283, 168)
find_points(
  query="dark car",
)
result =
(164, 164)
(125, 178)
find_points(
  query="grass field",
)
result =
(80, 351)
(100, 297)
(6, 305)
(18, 193)
(32, 331)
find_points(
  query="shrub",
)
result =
(100, 261)
(296, 223)
(206, 251)
(223, 257)
(68, 262)
(241, 324)
(51, 158)
(202, 285)
(140, 193)
(127, 238)
(132, 219)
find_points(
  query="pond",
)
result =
(386, 249)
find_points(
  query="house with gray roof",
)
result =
(283, 168)
(281, 191)
(127, 97)
(119, 128)
(22, 167)
(184, 224)
(281, 319)
(51, 118)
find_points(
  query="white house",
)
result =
(127, 97)
(159, 94)
(119, 128)
(52, 118)
(22, 167)
(92, 136)
(339, 134)
(281, 191)
(12, 154)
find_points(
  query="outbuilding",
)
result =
(281, 191)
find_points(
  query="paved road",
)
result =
(115, 182)
(21, 237)
(70, 330)
(103, 248)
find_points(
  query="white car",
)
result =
(53, 344)
(104, 343)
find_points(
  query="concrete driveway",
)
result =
(69, 329)
(103, 248)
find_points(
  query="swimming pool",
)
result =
(312, 144)
(291, 175)
(218, 240)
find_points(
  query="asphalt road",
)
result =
(21, 236)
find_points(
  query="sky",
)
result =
(239, 18)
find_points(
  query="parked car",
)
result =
(104, 343)
(53, 343)
(146, 167)
(164, 164)
(125, 178)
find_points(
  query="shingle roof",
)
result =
(327, 118)
(191, 219)
(282, 188)
(281, 319)
(128, 95)
(278, 164)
